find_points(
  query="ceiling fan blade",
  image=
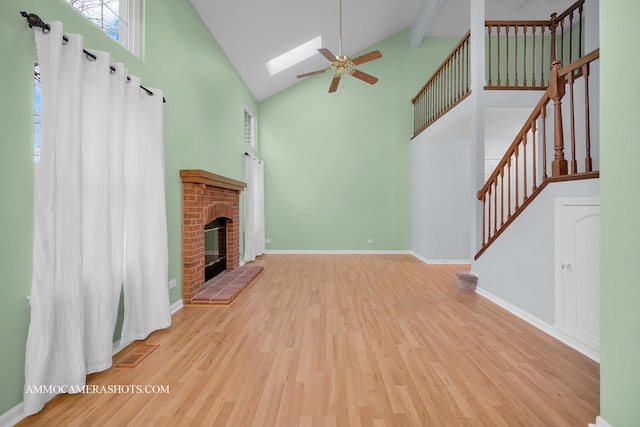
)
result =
(327, 54)
(312, 73)
(367, 57)
(368, 78)
(335, 82)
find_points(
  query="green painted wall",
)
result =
(337, 166)
(620, 227)
(203, 130)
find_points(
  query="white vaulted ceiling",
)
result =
(251, 32)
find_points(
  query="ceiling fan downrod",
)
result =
(340, 34)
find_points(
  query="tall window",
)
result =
(249, 128)
(118, 18)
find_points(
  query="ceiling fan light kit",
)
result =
(342, 63)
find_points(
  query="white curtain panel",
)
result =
(101, 145)
(259, 198)
(146, 295)
(254, 229)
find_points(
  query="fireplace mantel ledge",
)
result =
(199, 176)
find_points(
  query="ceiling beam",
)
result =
(425, 16)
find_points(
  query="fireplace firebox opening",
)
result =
(215, 248)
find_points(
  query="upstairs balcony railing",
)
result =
(537, 156)
(518, 55)
(447, 87)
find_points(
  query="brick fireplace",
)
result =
(206, 197)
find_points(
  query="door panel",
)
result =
(578, 305)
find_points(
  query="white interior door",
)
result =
(578, 269)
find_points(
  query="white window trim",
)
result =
(129, 12)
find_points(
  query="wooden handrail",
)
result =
(576, 65)
(576, 6)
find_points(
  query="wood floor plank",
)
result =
(345, 340)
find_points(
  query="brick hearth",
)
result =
(205, 197)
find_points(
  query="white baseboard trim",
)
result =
(439, 261)
(336, 252)
(543, 326)
(600, 422)
(13, 416)
(176, 306)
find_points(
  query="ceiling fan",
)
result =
(342, 63)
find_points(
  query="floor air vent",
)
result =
(136, 356)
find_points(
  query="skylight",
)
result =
(294, 56)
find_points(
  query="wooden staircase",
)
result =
(554, 144)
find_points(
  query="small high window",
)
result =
(249, 128)
(120, 19)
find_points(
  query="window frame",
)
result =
(129, 23)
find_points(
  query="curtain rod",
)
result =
(35, 21)
(249, 154)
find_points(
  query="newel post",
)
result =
(559, 165)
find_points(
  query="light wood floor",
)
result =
(346, 340)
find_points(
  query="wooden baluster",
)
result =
(428, 106)
(533, 63)
(417, 114)
(572, 122)
(489, 60)
(516, 178)
(506, 30)
(543, 119)
(460, 68)
(516, 54)
(533, 142)
(570, 39)
(524, 166)
(580, 48)
(509, 193)
(502, 197)
(556, 91)
(489, 234)
(423, 109)
(467, 65)
(443, 89)
(443, 106)
(524, 66)
(454, 76)
(449, 83)
(542, 58)
(434, 112)
(498, 64)
(588, 162)
(495, 205)
(484, 219)
(440, 95)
